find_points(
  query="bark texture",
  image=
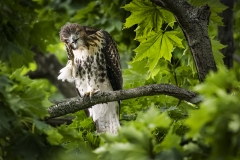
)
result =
(75, 104)
(225, 33)
(194, 23)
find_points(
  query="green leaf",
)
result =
(86, 123)
(218, 56)
(171, 140)
(152, 118)
(81, 14)
(157, 45)
(4, 81)
(215, 7)
(172, 154)
(139, 66)
(155, 72)
(119, 151)
(216, 19)
(93, 139)
(145, 14)
(7, 115)
(8, 48)
(16, 55)
(29, 145)
(183, 71)
(54, 137)
(174, 39)
(216, 99)
(133, 79)
(168, 17)
(42, 35)
(130, 143)
(218, 83)
(198, 119)
(69, 133)
(30, 95)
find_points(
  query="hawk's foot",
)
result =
(86, 94)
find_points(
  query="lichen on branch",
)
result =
(79, 103)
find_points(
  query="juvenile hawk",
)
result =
(93, 65)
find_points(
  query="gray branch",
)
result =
(75, 104)
(48, 67)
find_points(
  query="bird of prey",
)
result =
(93, 65)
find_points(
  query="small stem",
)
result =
(175, 77)
(33, 127)
(179, 102)
(168, 25)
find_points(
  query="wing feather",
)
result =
(112, 57)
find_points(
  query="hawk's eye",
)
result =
(77, 33)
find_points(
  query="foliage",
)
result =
(219, 114)
(21, 107)
(156, 127)
(215, 7)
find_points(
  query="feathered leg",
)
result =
(105, 117)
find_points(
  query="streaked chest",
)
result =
(90, 67)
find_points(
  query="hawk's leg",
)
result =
(86, 94)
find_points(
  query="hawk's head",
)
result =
(73, 35)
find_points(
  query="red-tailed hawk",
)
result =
(93, 65)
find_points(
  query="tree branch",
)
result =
(75, 104)
(48, 67)
(59, 121)
(194, 23)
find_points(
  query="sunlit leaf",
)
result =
(144, 13)
(158, 45)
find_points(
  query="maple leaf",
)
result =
(157, 45)
(215, 7)
(218, 56)
(147, 15)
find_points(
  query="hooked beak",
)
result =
(74, 40)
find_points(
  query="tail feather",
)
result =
(106, 119)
